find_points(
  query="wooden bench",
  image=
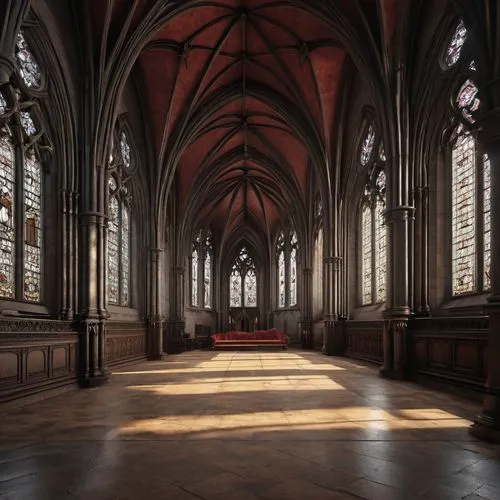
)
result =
(260, 338)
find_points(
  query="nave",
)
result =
(247, 425)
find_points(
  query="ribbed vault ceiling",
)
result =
(241, 94)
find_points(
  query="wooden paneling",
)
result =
(451, 349)
(125, 342)
(35, 356)
(364, 340)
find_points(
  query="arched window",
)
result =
(243, 285)
(118, 270)
(373, 233)
(201, 270)
(207, 272)
(286, 262)
(195, 270)
(118, 236)
(22, 141)
(293, 269)
(281, 271)
(470, 215)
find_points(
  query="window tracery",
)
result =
(467, 100)
(27, 66)
(202, 270)
(243, 285)
(367, 146)
(119, 226)
(286, 261)
(454, 48)
(207, 272)
(21, 211)
(373, 232)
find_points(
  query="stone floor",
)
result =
(246, 425)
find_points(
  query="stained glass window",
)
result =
(113, 271)
(373, 241)
(281, 280)
(32, 233)
(486, 222)
(27, 123)
(125, 150)
(207, 283)
(366, 255)
(293, 269)
(118, 247)
(235, 289)
(194, 277)
(7, 212)
(3, 104)
(293, 277)
(464, 215)
(454, 48)
(380, 251)
(250, 288)
(467, 100)
(27, 66)
(125, 247)
(367, 146)
(243, 281)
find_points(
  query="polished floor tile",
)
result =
(247, 425)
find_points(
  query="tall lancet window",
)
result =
(118, 269)
(281, 271)
(207, 272)
(286, 264)
(293, 269)
(23, 144)
(373, 232)
(195, 270)
(243, 283)
(119, 223)
(470, 215)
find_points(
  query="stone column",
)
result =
(306, 320)
(333, 342)
(155, 318)
(395, 336)
(92, 312)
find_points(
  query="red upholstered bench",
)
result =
(259, 338)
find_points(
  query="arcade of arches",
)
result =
(173, 169)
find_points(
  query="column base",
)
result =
(90, 382)
(391, 374)
(156, 357)
(486, 428)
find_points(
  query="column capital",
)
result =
(403, 212)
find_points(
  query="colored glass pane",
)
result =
(464, 215)
(454, 49)
(28, 68)
(7, 212)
